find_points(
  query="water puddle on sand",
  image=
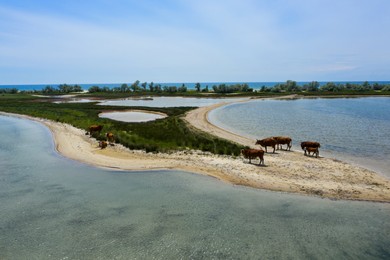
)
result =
(133, 116)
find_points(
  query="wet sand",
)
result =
(285, 171)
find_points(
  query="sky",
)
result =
(120, 41)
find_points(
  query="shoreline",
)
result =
(285, 171)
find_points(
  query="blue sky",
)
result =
(115, 41)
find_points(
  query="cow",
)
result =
(102, 144)
(110, 138)
(94, 128)
(281, 140)
(310, 144)
(253, 154)
(313, 150)
(267, 142)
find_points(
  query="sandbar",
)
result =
(284, 171)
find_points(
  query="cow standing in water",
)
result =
(267, 142)
(253, 154)
(281, 140)
(94, 128)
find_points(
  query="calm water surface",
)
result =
(55, 208)
(131, 116)
(169, 102)
(354, 129)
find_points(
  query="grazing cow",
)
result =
(313, 150)
(94, 128)
(253, 154)
(102, 144)
(110, 137)
(267, 142)
(281, 140)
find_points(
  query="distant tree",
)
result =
(206, 89)
(386, 87)
(311, 86)
(291, 86)
(376, 86)
(106, 89)
(263, 88)
(124, 88)
(135, 86)
(157, 88)
(94, 89)
(183, 88)
(9, 90)
(197, 87)
(366, 85)
(170, 89)
(151, 86)
(144, 85)
(330, 86)
(49, 90)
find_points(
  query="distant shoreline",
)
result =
(285, 171)
(190, 85)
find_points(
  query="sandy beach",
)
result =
(285, 171)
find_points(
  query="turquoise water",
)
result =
(55, 208)
(355, 129)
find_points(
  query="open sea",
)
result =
(55, 208)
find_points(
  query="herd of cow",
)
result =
(109, 136)
(277, 142)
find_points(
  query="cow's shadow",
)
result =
(255, 164)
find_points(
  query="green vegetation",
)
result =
(170, 133)
(162, 135)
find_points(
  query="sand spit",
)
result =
(287, 171)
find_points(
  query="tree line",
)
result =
(314, 86)
(289, 86)
(158, 88)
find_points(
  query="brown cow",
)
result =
(309, 144)
(313, 150)
(253, 154)
(102, 144)
(281, 140)
(110, 138)
(94, 128)
(267, 142)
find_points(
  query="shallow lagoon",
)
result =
(351, 129)
(55, 208)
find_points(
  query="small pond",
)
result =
(132, 116)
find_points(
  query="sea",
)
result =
(55, 208)
(189, 85)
